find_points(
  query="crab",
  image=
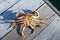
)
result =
(29, 19)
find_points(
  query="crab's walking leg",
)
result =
(23, 29)
(15, 26)
(40, 25)
(43, 23)
(33, 29)
(10, 21)
(20, 17)
(48, 17)
(17, 14)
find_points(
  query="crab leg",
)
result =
(43, 23)
(35, 20)
(17, 14)
(14, 26)
(40, 25)
(33, 23)
(33, 29)
(39, 21)
(20, 17)
(48, 17)
(23, 29)
(10, 21)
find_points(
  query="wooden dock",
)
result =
(44, 11)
